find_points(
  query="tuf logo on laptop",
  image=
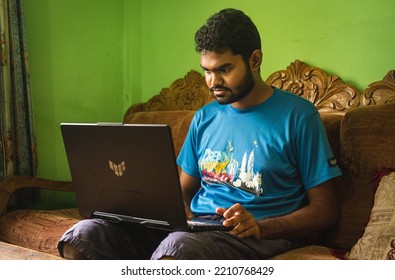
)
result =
(117, 168)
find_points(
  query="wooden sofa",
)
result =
(360, 127)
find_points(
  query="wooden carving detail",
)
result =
(188, 93)
(326, 92)
(380, 92)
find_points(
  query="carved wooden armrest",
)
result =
(11, 184)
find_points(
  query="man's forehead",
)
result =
(214, 60)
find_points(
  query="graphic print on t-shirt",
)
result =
(220, 167)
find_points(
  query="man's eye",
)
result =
(225, 70)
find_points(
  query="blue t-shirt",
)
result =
(264, 157)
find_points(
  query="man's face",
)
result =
(228, 76)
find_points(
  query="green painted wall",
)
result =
(76, 67)
(91, 59)
(353, 39)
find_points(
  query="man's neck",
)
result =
(259, 94)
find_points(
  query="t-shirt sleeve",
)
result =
(313, 152)
(187, 158)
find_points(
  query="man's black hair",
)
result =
(229, 29)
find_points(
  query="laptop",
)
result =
(128, 173)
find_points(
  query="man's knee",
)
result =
(71, 253)
(185, 245)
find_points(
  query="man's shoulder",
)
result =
(292, 97)
(293, 101)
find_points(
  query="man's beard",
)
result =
(240, 91)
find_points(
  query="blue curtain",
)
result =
(17, 138)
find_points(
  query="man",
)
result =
(258, 158)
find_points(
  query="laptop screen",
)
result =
(126, 169)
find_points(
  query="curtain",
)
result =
(17, 138)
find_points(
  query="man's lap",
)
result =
(218, 245)
(100, 239)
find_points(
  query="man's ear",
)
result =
(256, 60)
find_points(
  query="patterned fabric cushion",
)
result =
(37, 230)
(378, 240)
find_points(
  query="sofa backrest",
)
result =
(177, 120)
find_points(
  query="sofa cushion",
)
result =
(37, 230)
(312, 252)
(378, 240)
(367, 144)
(178, 121)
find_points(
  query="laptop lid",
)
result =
(125, 170)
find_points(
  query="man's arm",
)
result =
(320, 213)
(189, 186)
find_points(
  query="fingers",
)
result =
(243, 230)
(243, 221)
(220, 211)
(235, 209)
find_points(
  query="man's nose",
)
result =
(215, 79)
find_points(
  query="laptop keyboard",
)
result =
(197, 224)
